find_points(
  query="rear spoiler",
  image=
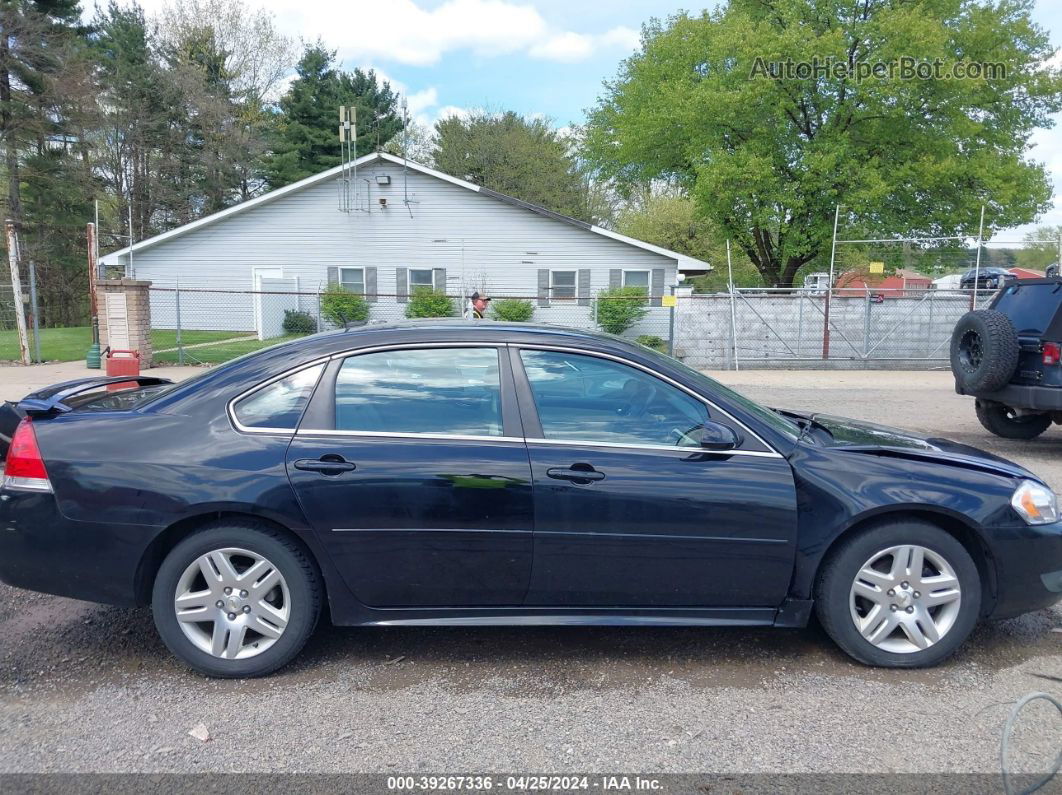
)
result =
(51, 399)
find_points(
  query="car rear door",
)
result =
(627, 515)
(411, 466)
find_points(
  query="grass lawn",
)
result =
(216, 354)
(167, 338)
(71, 344)
(57, 344)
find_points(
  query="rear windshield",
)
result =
(120, 400)
(1030, 307)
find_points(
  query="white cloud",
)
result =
(452, 110)
(422, 100)
(568, 46)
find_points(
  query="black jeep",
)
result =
(1008, 357)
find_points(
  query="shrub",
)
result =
(340, 306)
(426, 302)
(620, 308)
(652, 341)
(514, 310)
(296, 322)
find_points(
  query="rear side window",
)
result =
(1030, 307)
(278, 405)
(453, 391)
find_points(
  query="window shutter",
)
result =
(401, 285)
(438, 279)
(333, 274)
(584, 287)
(370, 285)
(615, 279)
(656, 286)
(543, 287)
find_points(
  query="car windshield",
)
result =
(776, 421)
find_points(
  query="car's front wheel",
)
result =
(1008, 423)
(903, 594)
(236, 600)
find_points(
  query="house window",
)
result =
(562, 284)
(636, 279)
(421, 277)
(353, 279)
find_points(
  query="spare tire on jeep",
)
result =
(984, 351)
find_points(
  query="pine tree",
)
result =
(306, 139)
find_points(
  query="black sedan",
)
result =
(487, 473)
(986, 279)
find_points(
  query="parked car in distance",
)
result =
(1008, 357)
(986, 278)
(487, 473)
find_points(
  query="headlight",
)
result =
(1034, 503)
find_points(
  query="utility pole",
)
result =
(829, 288)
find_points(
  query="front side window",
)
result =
(421, 278)
(638, 279)
(450, 391)
(280, 404)
(586, 398)
(353, 279)
(562, 284)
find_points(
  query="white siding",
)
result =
(482, 243)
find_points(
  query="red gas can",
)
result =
(122, 363)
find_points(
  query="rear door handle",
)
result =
(326, 465)
(582, 476)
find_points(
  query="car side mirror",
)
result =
(716, 436)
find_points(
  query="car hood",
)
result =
(866, 437)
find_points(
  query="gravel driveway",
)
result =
(90, 688)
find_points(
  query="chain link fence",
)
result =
(198, 326)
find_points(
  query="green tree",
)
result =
(767, 158)
(518, 156)
(307, 126)
(1041, 249)
(672, 222)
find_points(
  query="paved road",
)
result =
(90, 688)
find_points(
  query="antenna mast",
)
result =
(348, 136)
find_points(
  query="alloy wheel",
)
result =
(971, 351)
(905, 599)
(232, 603)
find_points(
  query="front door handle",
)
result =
(577, 473)
(326, 465)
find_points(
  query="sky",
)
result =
(537, 57)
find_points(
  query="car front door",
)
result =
(409, 463)
(630, 510)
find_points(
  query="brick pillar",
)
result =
(138, 313)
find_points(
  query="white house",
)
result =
(383, 226)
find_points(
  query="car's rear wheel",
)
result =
(901, 595)
(236, 600)
(1008, 423)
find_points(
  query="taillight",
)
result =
(25, 470)
(1052, 352)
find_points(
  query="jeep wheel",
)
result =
(1006, 422)
(984, 351)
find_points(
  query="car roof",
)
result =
(450, 329)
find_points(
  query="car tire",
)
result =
(843, 609)
(255, 631)
(1004, 421)
(984, 351)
